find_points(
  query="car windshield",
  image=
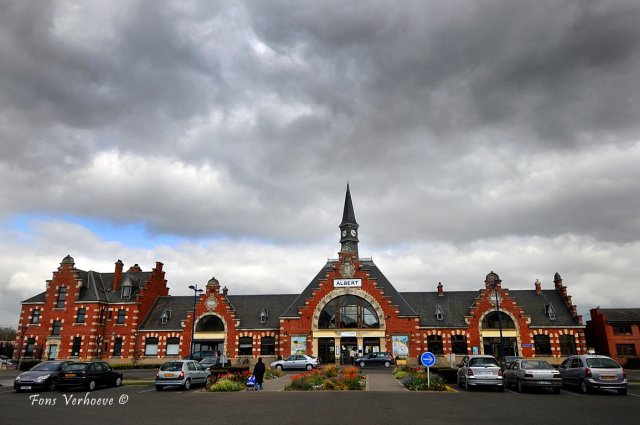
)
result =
(208, 360)
(483, 361)
(171, 367)
(46, 366)
(536, 364)
(602, 363)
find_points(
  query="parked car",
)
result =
(42, 376)
(590, 372)
(89, 375)
(505, 361)
(209, 362)
(523, 373)
(296, 361)
(480, 370)
(371, 359)
(199, 355)
(182, 373)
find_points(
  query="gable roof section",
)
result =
(621, 314)
(455, 306)
(293, 309)
(249, 307)
(180, 306)
(534, 306)
(40, 298)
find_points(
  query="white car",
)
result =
(182, 373)
(296, 361)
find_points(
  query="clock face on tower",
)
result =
(353, 232)
(344, 233)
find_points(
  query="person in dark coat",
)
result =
(258, 372)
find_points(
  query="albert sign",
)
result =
(346, 283)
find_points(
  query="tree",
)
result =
(8, 334)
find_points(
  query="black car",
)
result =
(42, 376)
(89, 375)
(371, 359)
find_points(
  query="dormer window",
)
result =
(439, 313)
(263, 316)
(550, 311)
(166, 315)
(126, 289)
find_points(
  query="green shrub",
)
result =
(226, 385)
(273, 373)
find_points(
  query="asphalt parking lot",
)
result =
(141, 404)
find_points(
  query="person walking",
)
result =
(258, 372)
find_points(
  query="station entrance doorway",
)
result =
(348, 350)
(327, 350)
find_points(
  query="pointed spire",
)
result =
(348, 216)
(349, 226)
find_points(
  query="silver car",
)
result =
(296, 361)
(182, 373)
(523, 373)
(480, 370)
(590, 372)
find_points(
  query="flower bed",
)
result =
(329, 378)
(416, 379)
(236, 379)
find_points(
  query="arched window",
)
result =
(210, 323)
(348, 311)
(490, 321)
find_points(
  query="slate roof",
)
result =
(180, 306)
(454, 305)
(249, 307)
(40, 298)
(621, 314)
(292, 310)
(96, 287)
(534, 305)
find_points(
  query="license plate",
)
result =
(608, 378)
(168, 375)
(544, 382)
(69, 375)
(486, 373)
(26, 387)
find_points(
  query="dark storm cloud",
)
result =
(425, 106)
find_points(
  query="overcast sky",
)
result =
(218, 138)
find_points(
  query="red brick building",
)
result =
(348, 306)
(615, 332)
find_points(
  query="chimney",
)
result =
(224, 291)
(440, 290)
(135, 268)
(117, 276)
(538, 287)
(159, 266)
(557, 279)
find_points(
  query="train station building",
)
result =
(348, 306)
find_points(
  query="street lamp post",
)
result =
(495, 290)
(193, 322)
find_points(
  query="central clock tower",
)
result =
(349, 227)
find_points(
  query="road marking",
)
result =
(511, 391)
(635, 395)
(146, 391)
(569, 392)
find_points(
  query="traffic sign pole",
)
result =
(428, 359)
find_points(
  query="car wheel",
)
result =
(92, 385)
(158, 387)
(387, 364)
(279, 367)
(584, 387)
(556, 390)
(51, 386)
(309, 367)
(520, 387)
(622, 391)
(362, 364)
(118, 381)
(187, 384)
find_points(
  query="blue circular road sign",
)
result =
(428, 359)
